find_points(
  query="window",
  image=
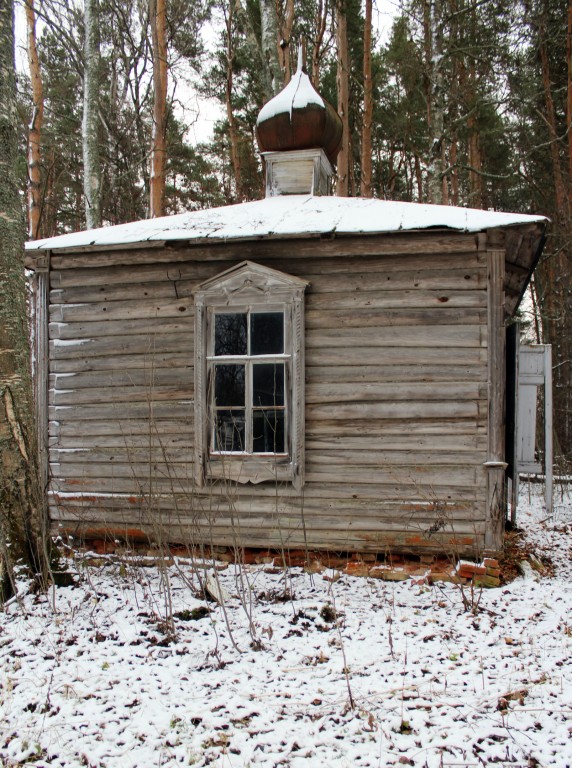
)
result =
(249, 373)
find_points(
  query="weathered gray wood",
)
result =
(393, 410)
(396, 299)
(146, 361)
(177, 280)
(363, 318)
(150, 327)
(435, 242)
(395, 355)
(122, 310)
(371, 392)
(400, 336)
(496, 423)
(156, 453)
(120, 429)
(395, 373)
(149, 345)
(338, 492)
(118, 395)
(175, 409)
(149, 377)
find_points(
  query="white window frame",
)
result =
(250, 287)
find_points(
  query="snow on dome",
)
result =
(299, 118)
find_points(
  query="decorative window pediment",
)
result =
(249, 376)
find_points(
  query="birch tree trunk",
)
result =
(35, 127)
(90, 124)
(157, 18)
(21, 521)
(366, 159)
(269, 41)
(342, 82)
(435, 99)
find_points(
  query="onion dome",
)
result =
(299, 118)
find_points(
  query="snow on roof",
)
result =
(289, 216)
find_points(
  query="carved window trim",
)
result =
(250, 287)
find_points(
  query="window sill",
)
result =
(250, 469)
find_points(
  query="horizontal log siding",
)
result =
(396, 396)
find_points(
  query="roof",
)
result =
(290, 216)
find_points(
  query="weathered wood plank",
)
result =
(396, 519)
(399, 442)
(155, 412)
(122, 429)
(396, 410)
(349, 492)
(179, 280)
(436, 427)
(398, 355)
(388, 318)
(156, 454)
(398, 374)
(189, 506)
(398, 299)
(442, 280)
(437, 242)
(149, 344)
(122, 310)
(125, 441)
(149, 377)
(150, 327)
(119, 395)
(410, 336)
(369, 392)
(152, 359)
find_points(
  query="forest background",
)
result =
(461, 102)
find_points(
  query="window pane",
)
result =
(268, 431)
(266, 333)
(230, 334)
(268, 384)
(229, 385)
(229, 431)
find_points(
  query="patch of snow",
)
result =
(131, 667)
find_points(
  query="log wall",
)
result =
(396, 396)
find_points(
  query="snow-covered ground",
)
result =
(294, 669)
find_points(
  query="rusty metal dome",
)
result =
(299, 118)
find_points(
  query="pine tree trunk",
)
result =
(90, 125)
(157, 176)
(366, 159)
(35, 128)
(285, 35)
(21, 510)
(342, 81)
(317, 46)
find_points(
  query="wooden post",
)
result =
(495, 463)
(548, 447)
(40, 295)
